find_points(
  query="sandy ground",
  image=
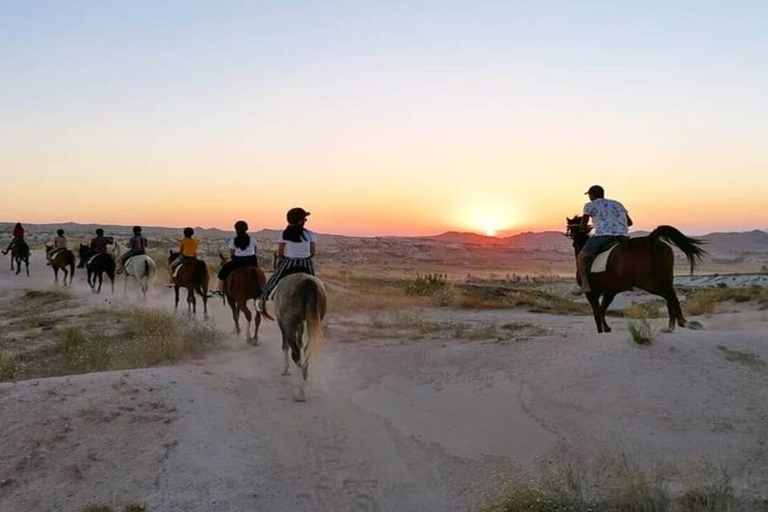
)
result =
(391, 424)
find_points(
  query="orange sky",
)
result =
(384, 121)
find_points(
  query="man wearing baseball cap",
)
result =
(611, 222)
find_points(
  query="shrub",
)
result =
(642, 331)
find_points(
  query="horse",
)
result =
(142, 268)
(96, 265)
(60, 261)
(242, 285)
(300, 299)
(19, 253)
(193, 275)
(645, 262)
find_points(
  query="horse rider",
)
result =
(242, 249)
(18, 236)
(187, 249)
(295, 250)
(60, 243)
(100, 242)
(137, 245)
(611, 222)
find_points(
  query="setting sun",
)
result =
(490, 232)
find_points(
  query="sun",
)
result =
(490, 232)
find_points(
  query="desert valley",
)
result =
(457, 373)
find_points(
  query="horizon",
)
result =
(385, 119)
(500, 235)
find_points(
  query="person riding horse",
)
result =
(18, 236)
(242, 249)
(295, 250)
(187, 250)
(137, 245)
(611, 222)
(59, 244)
(100, 242)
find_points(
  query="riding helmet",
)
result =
(296, 215)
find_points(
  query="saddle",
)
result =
(599, 262)
(93, 258)
(177, 269)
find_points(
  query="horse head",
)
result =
(576, 232)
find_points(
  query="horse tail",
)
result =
(315, 303)
(689, 246)
(150, 270)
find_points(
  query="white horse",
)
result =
(300, 300)
(142, 268)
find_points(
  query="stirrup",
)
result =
(260, 305)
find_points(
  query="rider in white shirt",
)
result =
(611, 222)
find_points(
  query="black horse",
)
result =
(96, 265)
(644, 262)
(19, 254)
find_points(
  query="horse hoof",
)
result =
(695, 326)
(299, 397)
(286, 372)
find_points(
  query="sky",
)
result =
(384, 118)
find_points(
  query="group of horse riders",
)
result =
(296, 247)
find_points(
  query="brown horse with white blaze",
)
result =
(63, 260)
(644, 262)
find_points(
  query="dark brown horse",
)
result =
(192, 275)
(644, 262)
(19, 253)
(60, 261)
(242, 285)
(97, 264)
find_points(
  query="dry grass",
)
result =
(746, 358)
(703, 301)
(618, 484)
(643, 310)
(138, 338)
(535, 300)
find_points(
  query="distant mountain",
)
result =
(531, 240)
(457, 237)
(528, 240)
(755, 240)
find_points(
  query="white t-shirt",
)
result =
(608, 216)
(248, 251)
(298, 249)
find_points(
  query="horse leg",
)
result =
(191, 301)
(594, 302)
(56, 275)
(674, 310)
(175, 297)
(607, 299)
(256, 324)
(235, 314)
(100, 276)
(248, 318)
(204, 293)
